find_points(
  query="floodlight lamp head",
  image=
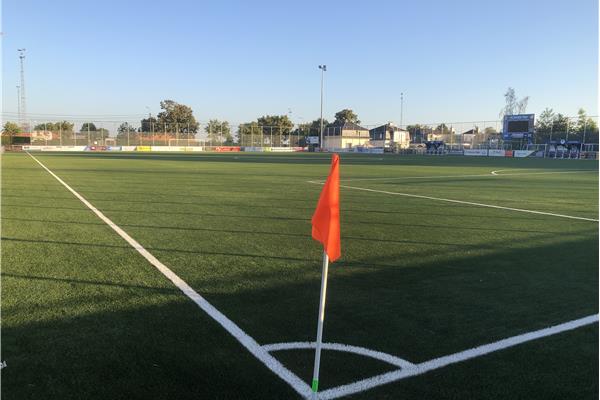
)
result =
(323, 67)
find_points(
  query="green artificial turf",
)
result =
(85, 316)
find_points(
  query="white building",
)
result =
(389, 136)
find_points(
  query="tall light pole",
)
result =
(22, 105)
(290, 132)
(323, 68)
(149, 126)
(19, 102)
(401, 108)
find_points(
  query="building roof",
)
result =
(347, 126)
(389, 127)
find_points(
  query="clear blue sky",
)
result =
(238, 60)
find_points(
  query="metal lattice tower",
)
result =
(22, 102)
(19, 102)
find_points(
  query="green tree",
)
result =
(544, 125)
(310, 128)
(60, 126)
(46, 126)
(442, 129)
(418, 132)
(586, 128)
(126, 130)
(512, 104)
(545, 121)
(275, 128)
(249, 134)
(177, 118)
(346, 115)
(92, 132)
(88, 126)
(561, 125)
(219, 132)
(149, 124)
(9, 130)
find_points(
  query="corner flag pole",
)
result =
(326, 229)
(315, 381)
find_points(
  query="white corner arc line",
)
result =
(418, 196)
(440, 362)
(246, 340)
(378, 355)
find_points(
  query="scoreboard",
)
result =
(518, 126)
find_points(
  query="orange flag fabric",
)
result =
(326, 219)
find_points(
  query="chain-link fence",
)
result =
(454, 135)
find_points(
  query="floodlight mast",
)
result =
(401, 109)
(323, 68)
(22, 103)
(19, 102)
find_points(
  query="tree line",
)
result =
(277, 129)
(553, 126)
(177, 120)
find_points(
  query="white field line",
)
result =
(572, 171)
(418, 196)
(488, 175)
(246, 340)
(378, 355)
(440, 362)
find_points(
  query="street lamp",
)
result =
(149, 127)
(289, 113)
(401, 109)
(323, 68)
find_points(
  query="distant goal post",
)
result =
(185, 142)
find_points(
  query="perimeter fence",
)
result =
(456, 136)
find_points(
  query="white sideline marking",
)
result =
(395, 178)
(489, 175)
(440, 362)
(246, 340)
(418, 196)
(378, 355)
(572, 171)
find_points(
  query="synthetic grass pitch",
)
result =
(85, 316)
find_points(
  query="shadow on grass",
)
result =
(155, 202)
(167, 351)
(89, 282)
(407, 225)
(171, 349)
(508, 217)
(199, 252)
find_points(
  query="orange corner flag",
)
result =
(326, 219)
